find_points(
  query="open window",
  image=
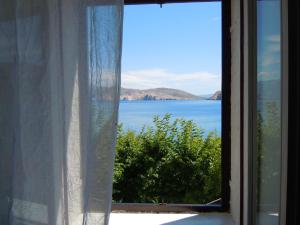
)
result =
(222, 202)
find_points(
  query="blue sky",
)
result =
(176, 46)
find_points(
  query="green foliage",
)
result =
(172, 162)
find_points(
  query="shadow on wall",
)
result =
(203, 219)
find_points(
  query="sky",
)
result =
(176, 46)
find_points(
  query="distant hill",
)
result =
(216, 96)
(156, 94)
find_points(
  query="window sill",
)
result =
(170, 219)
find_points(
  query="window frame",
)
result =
(293, 169)
(226, 124)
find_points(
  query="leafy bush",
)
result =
(172, 162)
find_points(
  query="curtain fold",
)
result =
(59, 96)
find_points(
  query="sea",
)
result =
(205, 113)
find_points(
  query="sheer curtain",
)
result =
(59, 95)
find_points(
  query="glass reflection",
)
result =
(268, 111)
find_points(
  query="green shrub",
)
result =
(171, 162)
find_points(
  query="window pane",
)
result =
(268, 111)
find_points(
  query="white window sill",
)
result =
(170, 219)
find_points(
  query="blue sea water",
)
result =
(205, 113)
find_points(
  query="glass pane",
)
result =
(268, 111)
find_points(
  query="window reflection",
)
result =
(268, 111)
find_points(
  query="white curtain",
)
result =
(59, 96)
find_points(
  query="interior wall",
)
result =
(235, 111)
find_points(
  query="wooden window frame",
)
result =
(226, 124)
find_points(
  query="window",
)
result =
(222, 204)
(267, 113)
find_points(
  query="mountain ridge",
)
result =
(160, 93)
(216, 96)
